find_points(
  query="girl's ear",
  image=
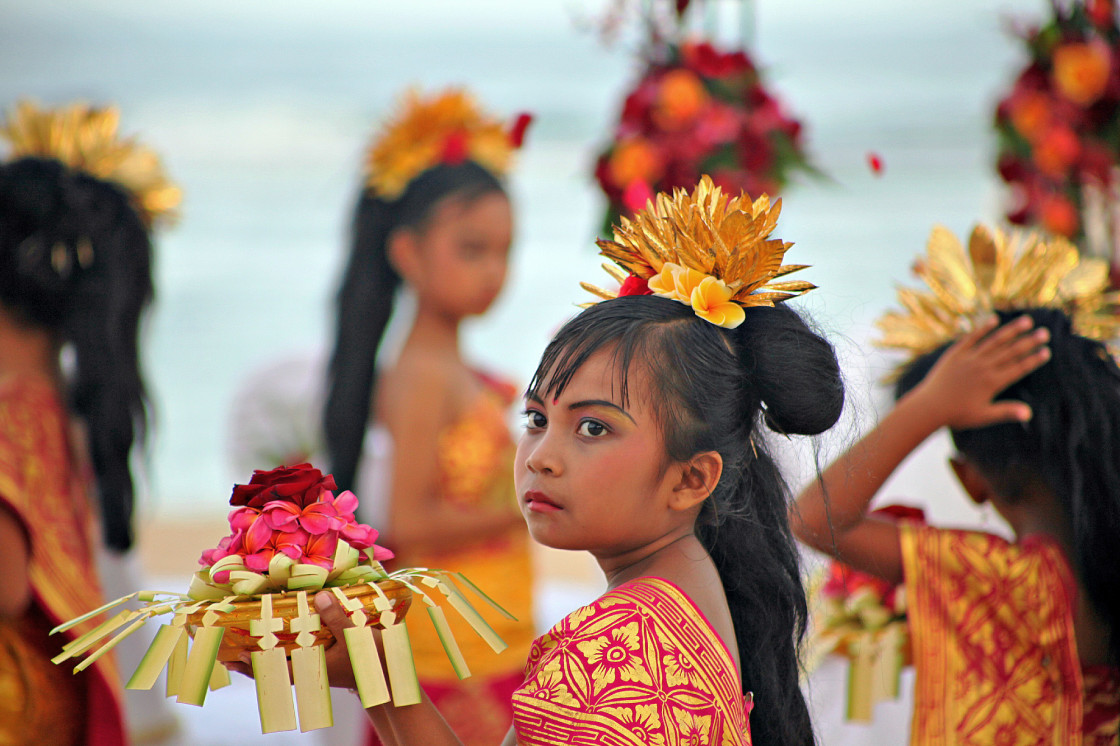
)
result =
(699, 477)
(404, 253)
(974, 483)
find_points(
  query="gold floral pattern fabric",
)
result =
(47, 494)
(993, 642)
(641, 665)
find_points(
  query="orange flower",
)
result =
(1081, 71)
(680, 98)
(709, 297)
(1056, 151)
(1030, 114)
(1059, 216)
(633, 160)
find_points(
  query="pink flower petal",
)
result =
(241, 518)
(381, 553)
(221, 577)
(257, 537)
(258, 562)
(345, 504)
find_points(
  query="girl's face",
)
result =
(591, 473)
(457, 263)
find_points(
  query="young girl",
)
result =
(426, 436)
(1012, 642)
(644, 446)
(76, 205)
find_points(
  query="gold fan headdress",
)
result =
(705, 249)
(998, 272)
(444, 128)
(85, 139)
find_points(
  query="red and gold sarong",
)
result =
(991, 625)
(47, 494)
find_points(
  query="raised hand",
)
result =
(962, 385)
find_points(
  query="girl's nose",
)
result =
(542, 458)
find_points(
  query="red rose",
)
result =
(302, 484)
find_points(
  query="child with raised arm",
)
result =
(1013, 642)
(644, 445)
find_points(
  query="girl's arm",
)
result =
(418, 519)
(831, 516)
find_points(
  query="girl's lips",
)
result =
(540, 502)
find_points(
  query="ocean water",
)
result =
(262, 111)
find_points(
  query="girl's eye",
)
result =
(592, 429)
(534, 420)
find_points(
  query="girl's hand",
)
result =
(334, 617)
(960, 388)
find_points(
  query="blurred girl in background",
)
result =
(76, 207)
(423, 438)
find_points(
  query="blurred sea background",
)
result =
(262, 111)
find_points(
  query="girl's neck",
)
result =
(431, 329)
(28, 352)
(667, 550)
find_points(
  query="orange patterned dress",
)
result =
(475, 461)
(41, 703)
(640, 666)
(993, 640)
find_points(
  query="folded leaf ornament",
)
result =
(291, 537)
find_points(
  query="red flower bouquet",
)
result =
(698, 110)
(1059, 126)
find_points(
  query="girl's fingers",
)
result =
(978, 333)
(1006, 334)
(1006, 411)
(1015, 350)
(332, 614)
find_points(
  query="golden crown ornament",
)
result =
(447, 127)
(999, 271)
(705, 249)
(85, 138)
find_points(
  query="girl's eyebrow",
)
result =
(600, 403)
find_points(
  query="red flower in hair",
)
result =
(517, 131)
(634, 285)
(454, 148)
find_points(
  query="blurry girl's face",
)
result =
(462, 255)
(590, 471)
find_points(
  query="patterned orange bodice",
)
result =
(475, 461)
(641, 665)
(993, 641)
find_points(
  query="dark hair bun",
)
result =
(793, 369)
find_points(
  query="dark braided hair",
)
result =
(366, 297)
(1071, 445)
(713, 389)
(75, 259)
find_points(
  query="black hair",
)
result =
(1071, 445)
(712, 388)
(75, 260)
(366, 297)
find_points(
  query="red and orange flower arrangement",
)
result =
(698, 110)
(1059, 126)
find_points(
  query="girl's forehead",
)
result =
(604, 373)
